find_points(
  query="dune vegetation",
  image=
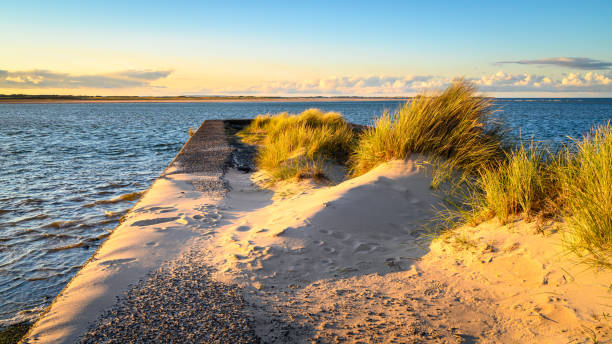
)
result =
(299, 146)
(458, 133)
(583, 174)
(455, 126)
(519, 184)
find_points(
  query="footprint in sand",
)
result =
(159, 210)
(362, 247)
(243, 228)
(116, 263)
(210, 215)
(329, 250)
(341, 235)
(182, 220)
(157, 221)
(327, 261)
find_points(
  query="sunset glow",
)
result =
(276, 49)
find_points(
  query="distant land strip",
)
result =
(24, 98)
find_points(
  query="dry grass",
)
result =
(519, 185)
(576, 184)
(298, 146)
(454, 126)
(584, 175)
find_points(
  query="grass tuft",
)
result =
(518, 185)
(297, 146)
(584, 175)
(455, 126)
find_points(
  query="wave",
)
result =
(28, 201)
(117, 213)
(30, 218)
(67, 247)
(99, 237)
(28, 315)
(58, 236)
(128, 197)
(59, 224)
(113, 186)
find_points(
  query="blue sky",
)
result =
(552, 48)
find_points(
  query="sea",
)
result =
(69, 172)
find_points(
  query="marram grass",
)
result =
(520, 184)
(454, 126)
(575, 184)
(297, 146)
(584, 176)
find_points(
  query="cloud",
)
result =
(584, 63)
(336, 86)
(499, 82)
(35, 79)
(572, 82)
(146, 74)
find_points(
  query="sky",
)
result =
(313, 48)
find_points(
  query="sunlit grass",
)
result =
(520, 184)
(456, 130)
(454, 126)
(584, 175)
(297, 146)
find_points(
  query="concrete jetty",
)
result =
(138, 246)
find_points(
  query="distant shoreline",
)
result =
(197, 100)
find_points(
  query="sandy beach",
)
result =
(344, 261)
(348, 262)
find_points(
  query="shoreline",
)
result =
(221, 100)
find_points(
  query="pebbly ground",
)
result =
(179, 303)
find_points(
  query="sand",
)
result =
(310, 263)
(349, 262)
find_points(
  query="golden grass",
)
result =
(584, 176)
(454, 126)
(576, 184)
(297, 146)
(455, 129)
(518, 185)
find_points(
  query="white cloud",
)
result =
(35, 79)
(409, 85)
(365, 86)
(572, 82)
(373, 85)
(568, 62)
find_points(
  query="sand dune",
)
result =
(345, 262)
(349, 262)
